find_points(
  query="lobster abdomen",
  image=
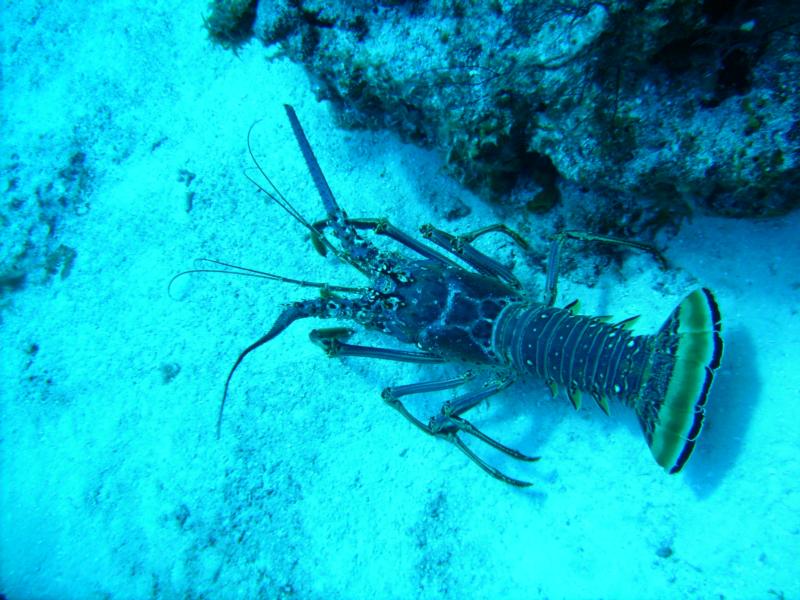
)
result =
(582, 353)
(664, 377)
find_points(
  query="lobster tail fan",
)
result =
(671, 403)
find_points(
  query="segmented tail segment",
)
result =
(671, 404)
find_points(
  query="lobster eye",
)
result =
(384, 284)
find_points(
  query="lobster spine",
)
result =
(579, 352)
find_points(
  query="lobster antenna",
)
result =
(331, 206)
(290, 314)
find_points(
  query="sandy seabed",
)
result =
(113, 484)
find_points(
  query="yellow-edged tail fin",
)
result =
(671, 403)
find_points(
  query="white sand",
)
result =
(113, 484)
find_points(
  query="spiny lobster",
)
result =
(482, 316)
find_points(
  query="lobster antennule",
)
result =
(687, 351)
(232, 269)
(278, 198)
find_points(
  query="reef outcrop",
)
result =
(657, 108)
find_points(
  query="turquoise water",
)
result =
(124, 137)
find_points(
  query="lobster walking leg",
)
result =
(464, 250)
(385, 228)
(448, 423)
(554, 257)
(471, 236)
(392, 395)
(330, 341)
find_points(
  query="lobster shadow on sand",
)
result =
(733, 400)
